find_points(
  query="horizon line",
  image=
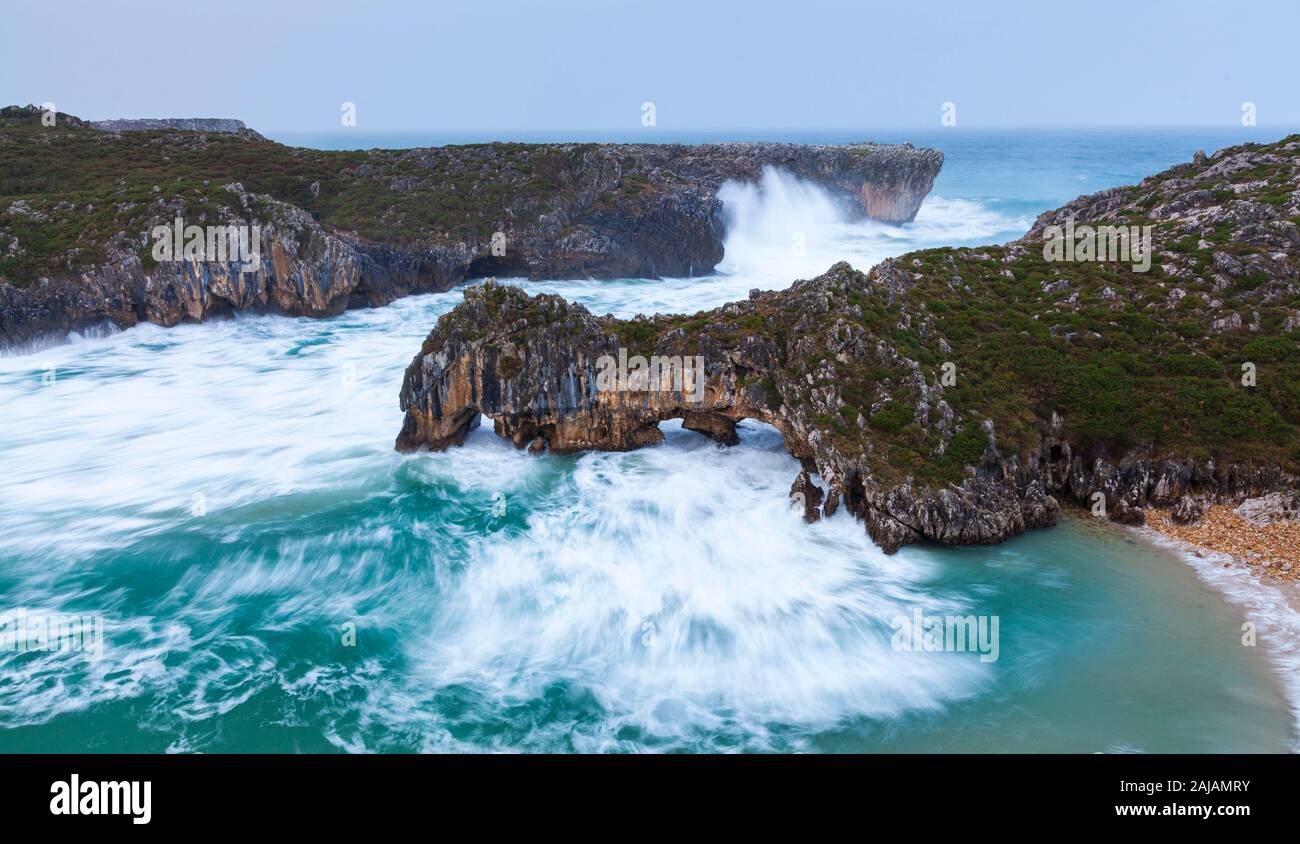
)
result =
(803, 129)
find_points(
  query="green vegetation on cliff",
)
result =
(81, 185)
(1156, 359)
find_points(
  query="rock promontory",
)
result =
(953, 395)
(182, 124)
(346, 229)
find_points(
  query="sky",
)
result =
(565, 65)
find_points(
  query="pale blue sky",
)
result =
(798, 64)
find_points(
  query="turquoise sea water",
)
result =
(225, 498)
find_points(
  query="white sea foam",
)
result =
(213, 432)
(782, 228)
(1272, 606)
(246, 467)
(675, 585)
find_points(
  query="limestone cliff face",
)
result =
(883, 181)
(302, 270)
(959, 396)
(534, 365)
(184, 124)
(351, 229)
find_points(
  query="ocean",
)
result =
(271, 576)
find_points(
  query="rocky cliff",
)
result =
(362, 228)
(183, 124)
(955, 395)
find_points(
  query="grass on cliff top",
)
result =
(1123, 360)
(1120, 377)
(89, 185)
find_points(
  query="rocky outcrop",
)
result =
(303, 270)
(546, 369)
(1188, 510)
(959, 396)
(1266, 509)
(350, 229)
(883, 181)
(807, 496)
(535, 367)
(11, 116)
(181, 124)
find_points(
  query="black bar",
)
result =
(296, 793)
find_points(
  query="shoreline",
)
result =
(1271, 604)
(1269, 549)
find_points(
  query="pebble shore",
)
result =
(1274, 548)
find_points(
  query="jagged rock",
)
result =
(714, 425)
(887, 532)
(809, 495)
(1125, 513)
(1039, 508)
(1188, 510)
(1269, 508)
(846, 367)
(552, 391)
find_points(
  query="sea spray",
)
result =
(782, 228)
(660, 599)
(670, 592)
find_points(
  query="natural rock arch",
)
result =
(534, 366)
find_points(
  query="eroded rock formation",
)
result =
(952, 395)
(354, 229)
(534, 365)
